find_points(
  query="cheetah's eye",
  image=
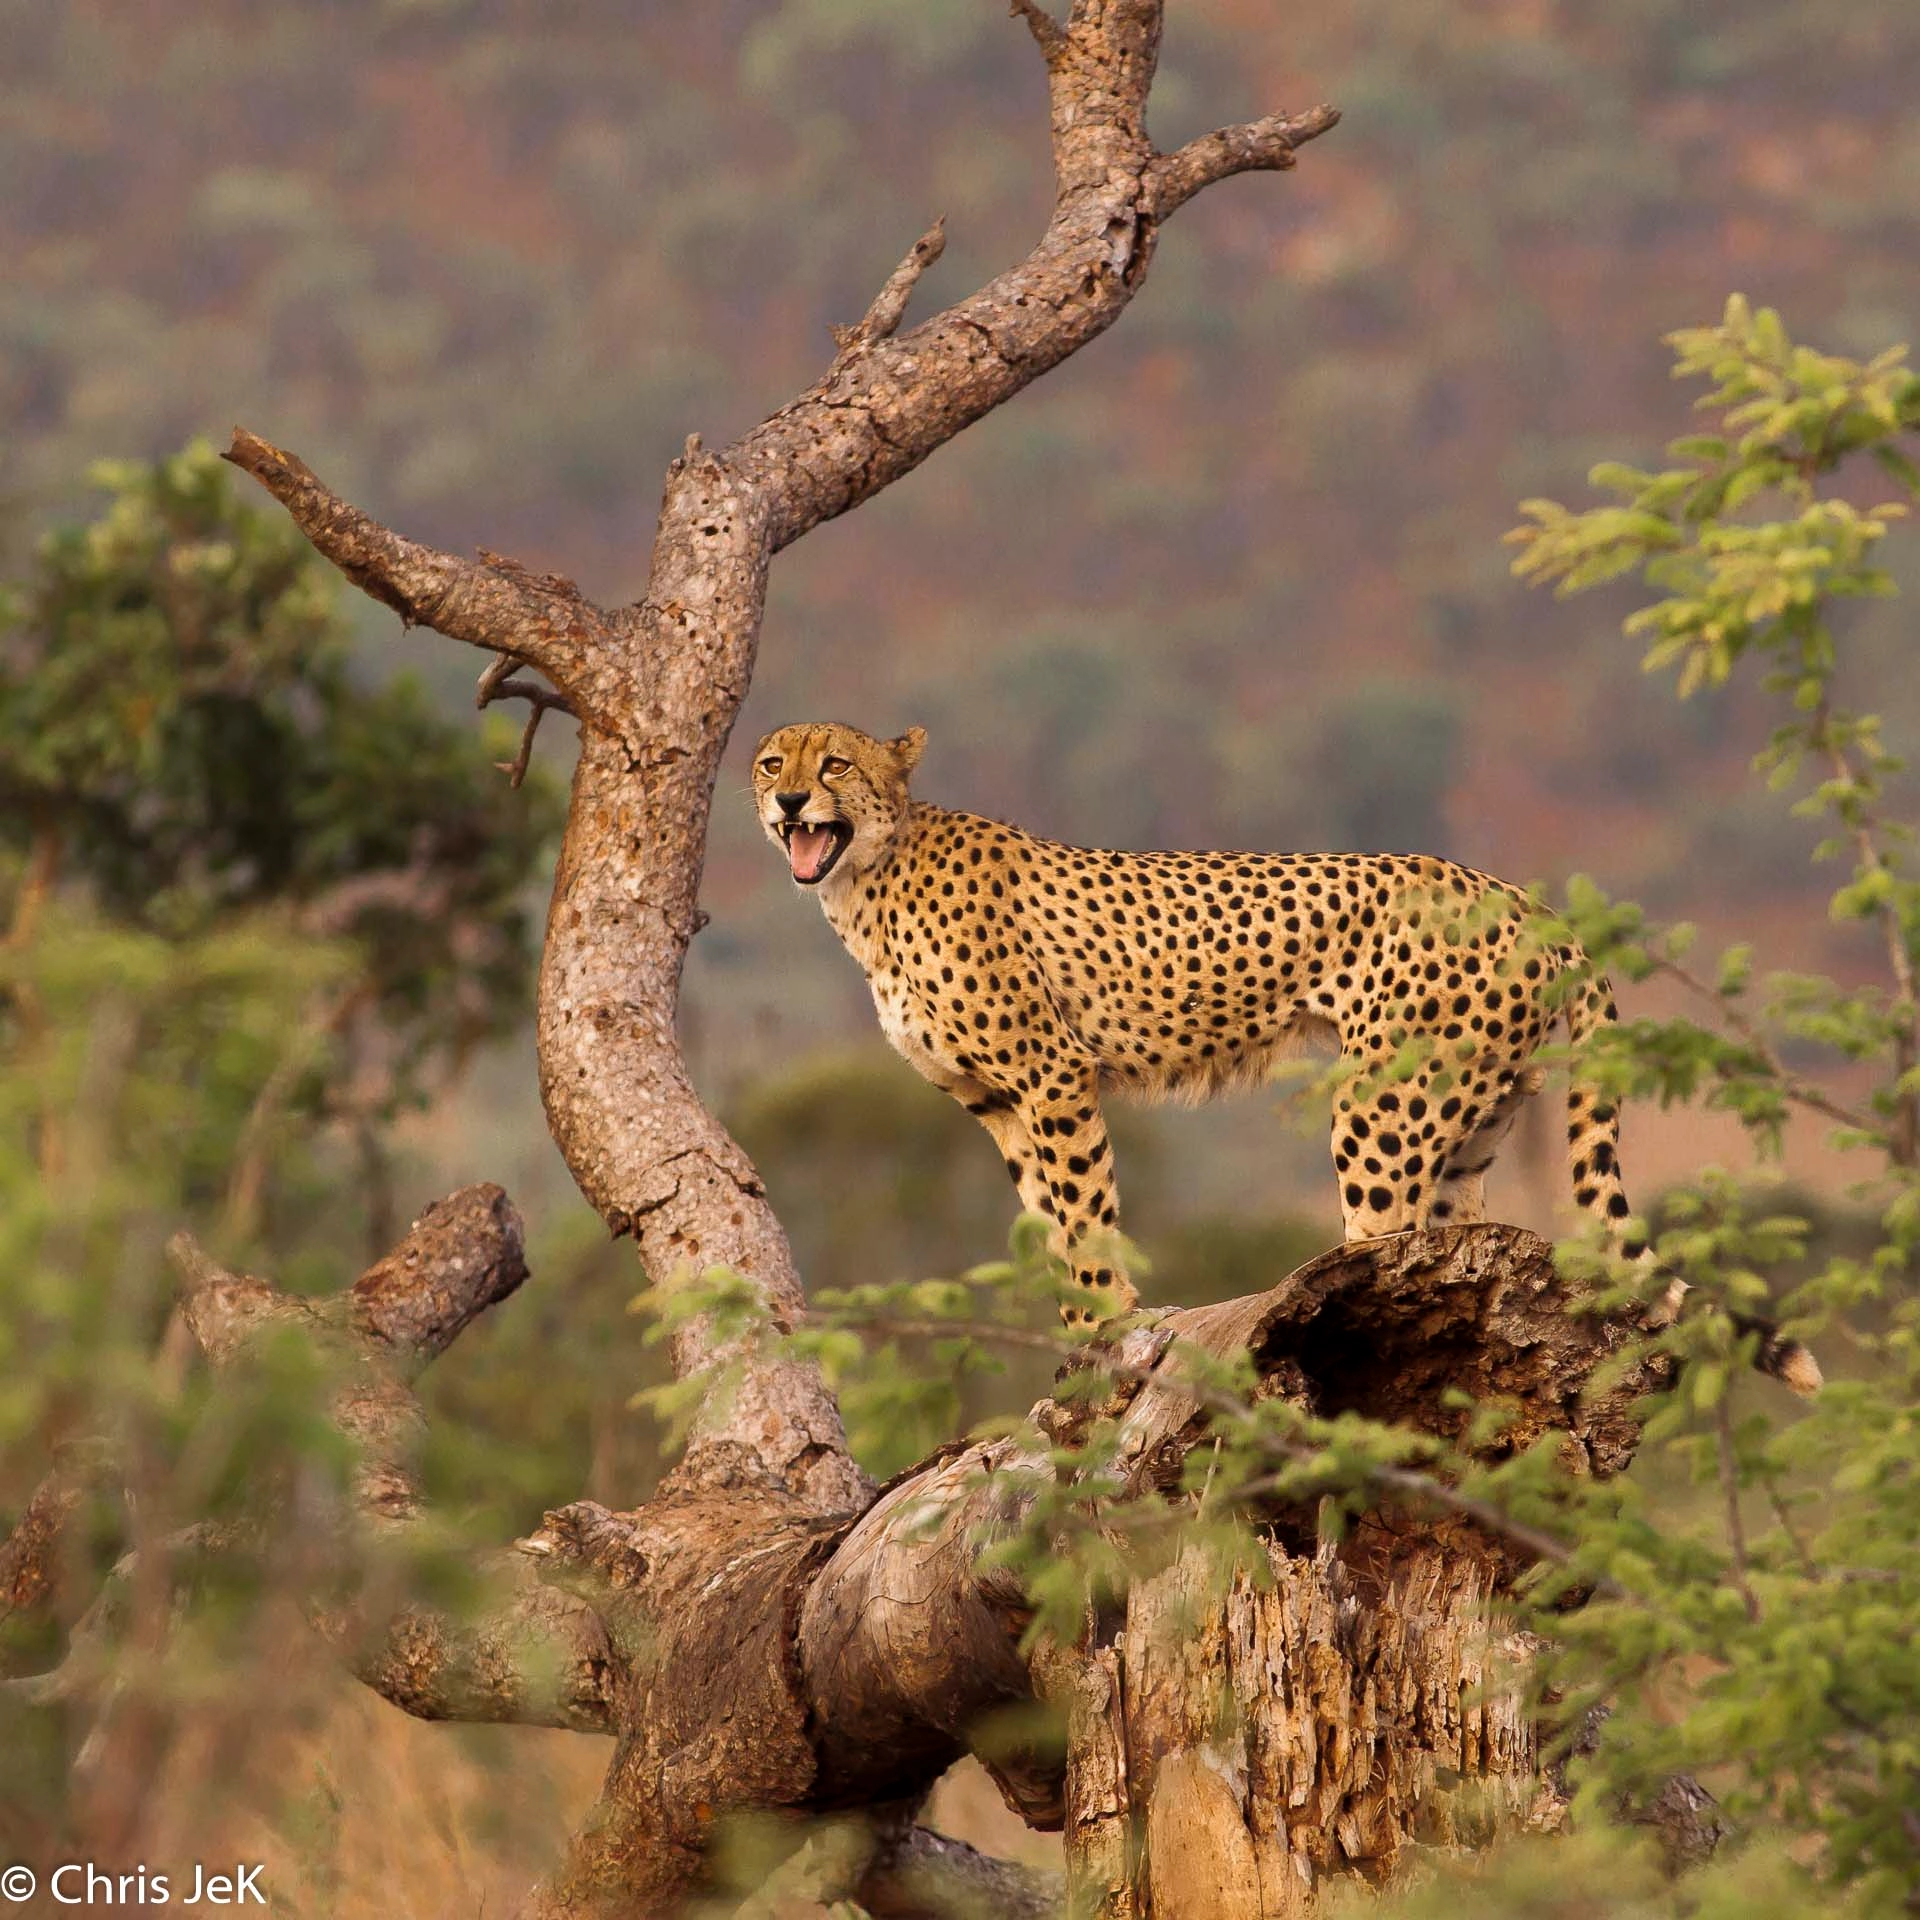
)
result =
(771, 764)
(833, 764)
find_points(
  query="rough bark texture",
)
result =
(926, 1873)
(1356, 1726)
(1388, 1328)
(768, 1633)
(746, 1652)
(31, 1556)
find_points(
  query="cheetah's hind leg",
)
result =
(1383, 1155)
(1408, 1156)
(1460, 1197)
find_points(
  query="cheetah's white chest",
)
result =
(905, 1027)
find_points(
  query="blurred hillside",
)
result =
(1232, 577)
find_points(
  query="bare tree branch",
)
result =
(492, 603)
(32, 1555)
(522, 1652)
(923, 1875)
(746, 1652)
(767, 1633)
(1048, 35)
(464, 1254)
(1261, 146)
(874, 418)
(496, 684)
(770, 1651)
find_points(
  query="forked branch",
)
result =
(497, 683)
(524, 1653)
(875, 416)
(768, 1651)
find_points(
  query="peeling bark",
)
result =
(1355, 1727)
(747, 1653)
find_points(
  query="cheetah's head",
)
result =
(832, 796)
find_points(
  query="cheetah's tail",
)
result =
(1593, 1161)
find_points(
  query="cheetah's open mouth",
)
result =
(812, 852)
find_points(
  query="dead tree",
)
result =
(768, 1633)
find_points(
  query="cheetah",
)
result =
(1027, 979)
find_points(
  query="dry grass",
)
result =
(380, 1817)
(373, 1816)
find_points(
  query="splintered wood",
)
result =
(1229, 1754)
(1225, 1759)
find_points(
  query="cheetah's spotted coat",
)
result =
(1026, 978)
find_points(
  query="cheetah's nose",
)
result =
(790, 803)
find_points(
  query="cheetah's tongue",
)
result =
(808, 850)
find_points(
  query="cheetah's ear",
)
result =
(908, 748)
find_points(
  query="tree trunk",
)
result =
(746, 1653)
(1225, 1759)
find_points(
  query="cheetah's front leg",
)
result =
(1056, 1148)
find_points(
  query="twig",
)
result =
(495, 685)
(1730, 1493)
(1808, 1565)
(1259, 146)
(414, 888)
(247, 1182)
(541, 618)
(1800, 1092)
(1904, 1147)
(890, 303)
(498, 668)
